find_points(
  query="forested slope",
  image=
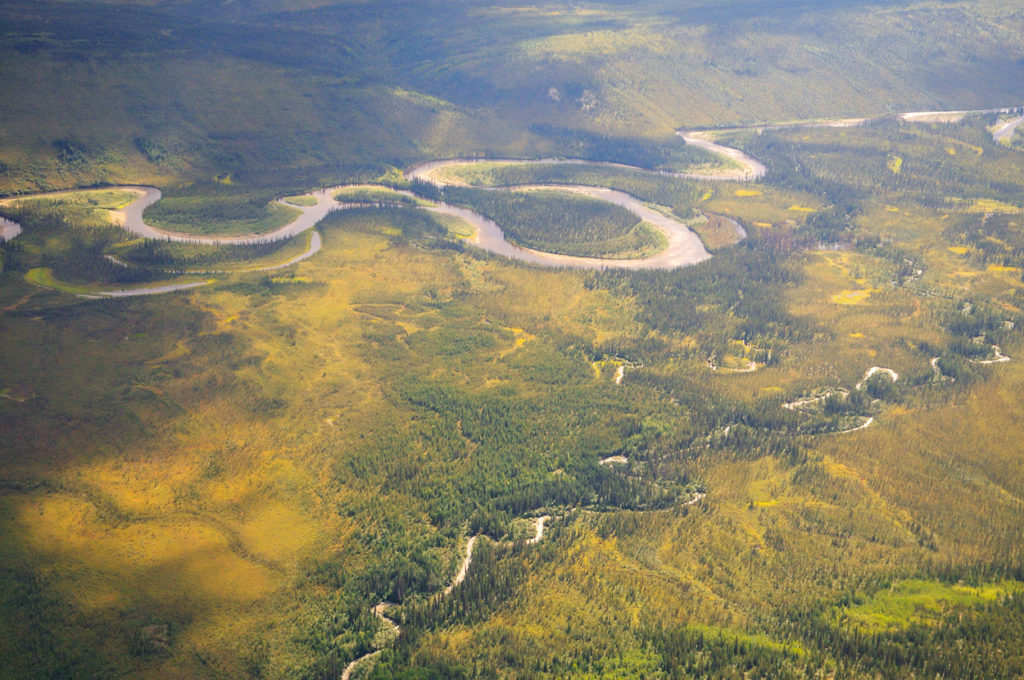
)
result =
(282, 93)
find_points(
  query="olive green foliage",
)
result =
(221, 483)
(169, 255)
(193, 210)
(562, 222)
(657, 188)
(70, 238)
(669, 153)
(482, 412)
(135, 92)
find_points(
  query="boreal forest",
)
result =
(417, 340)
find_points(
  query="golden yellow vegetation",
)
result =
(852, 297)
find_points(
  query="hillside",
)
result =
(279, 93)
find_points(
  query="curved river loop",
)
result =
(683, 246)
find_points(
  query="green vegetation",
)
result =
(301, 200)
(193, 210)
(313, 89)
(220, 483)
(420, 402)
(912, 602)
(373, 194)
(97, 200)
(668, 153)
(43, 276)
(556, 221)
(90, 208)
(170, 256)
(665, 190)
(67, 240)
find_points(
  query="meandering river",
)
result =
(683, 246)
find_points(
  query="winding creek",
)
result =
(381, 609)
